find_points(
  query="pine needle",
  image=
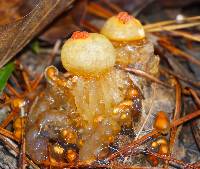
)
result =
(172, 27)
(193, 37)
(164, 23)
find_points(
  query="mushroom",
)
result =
(132, 47)
(88, 108)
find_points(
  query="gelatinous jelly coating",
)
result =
(86, 110)
(92, 55)
(123, 27)
(100, 95)
(88, 115)
(137, 54)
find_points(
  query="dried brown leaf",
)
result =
(9, 11)
(14, 36)
(67, 23)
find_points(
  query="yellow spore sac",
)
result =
(162, 123)
(87, 54)
(132, 47)
(123, 27)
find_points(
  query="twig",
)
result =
(144, 74)
(179, 52)
(195, 96)
(138, 142)
(51, 57)
(23, 154)
(15, 81)
(12, 90)
(186, 118)
(165, 70)
(177, 114)
(170, 159)
(9, 118)
(132, 145)
(16, 150)
(8, 134)
(26, 80)
(37, 81)
(53, 52)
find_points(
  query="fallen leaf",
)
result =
(9, 11)
(67, 23)
(61, 28)
(14, 36)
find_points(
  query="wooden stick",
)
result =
(146, 75)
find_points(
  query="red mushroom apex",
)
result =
(124, 17)
(80, 35)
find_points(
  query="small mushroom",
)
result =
(162, 123)
(123, 27)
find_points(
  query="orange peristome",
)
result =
(124, 17)
(80, 35)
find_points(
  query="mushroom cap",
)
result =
(87, 54)
(162, 123)
(123, 27)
